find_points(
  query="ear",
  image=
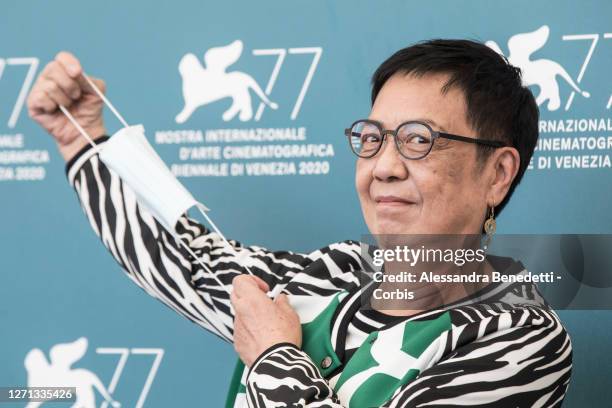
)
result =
(504, 165)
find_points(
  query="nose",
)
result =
(389, 165)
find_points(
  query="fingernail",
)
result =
(73, 69)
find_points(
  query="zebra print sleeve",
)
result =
(523, 366)
(286, 376)
(153, 259)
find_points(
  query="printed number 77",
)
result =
(25, 87)
(281, 53)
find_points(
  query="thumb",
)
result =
(283, 301)
(86, 87)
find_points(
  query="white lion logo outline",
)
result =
(541, 72)
(58, 372)
(209, 83)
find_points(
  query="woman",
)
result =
(464, 129)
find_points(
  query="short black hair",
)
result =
(499, 107)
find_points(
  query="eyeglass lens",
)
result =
(413, 139)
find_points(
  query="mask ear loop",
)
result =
(106, 101)
(97, 150)
(79, 128)
(125, 124)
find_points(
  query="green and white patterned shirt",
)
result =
(507, 349)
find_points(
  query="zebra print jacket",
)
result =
(507, 354)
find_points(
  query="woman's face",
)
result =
(444, 193)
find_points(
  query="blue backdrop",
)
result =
(314, 59)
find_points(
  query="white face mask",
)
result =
(129, 154)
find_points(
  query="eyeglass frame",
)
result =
(434, 135)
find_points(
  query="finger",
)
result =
(239, 305)
(283, 301)
(250, 281)
(38, 101)
(251, 305)
(70, 63)
(284, 305)
(239, 326)
(249, 298)
(241, 332)
(256, 295)
(242, 340)
(56, 72)
(53, 91)
(74, 69)
(233, 298)
(238, 333)
(261, 283)
(243, 284)
(86, 87)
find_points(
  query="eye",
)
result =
(415, 139)
(370, 138)
(419, 139)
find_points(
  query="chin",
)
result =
(393, 228)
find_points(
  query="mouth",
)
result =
(384, 201)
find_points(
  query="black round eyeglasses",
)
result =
(414, 139)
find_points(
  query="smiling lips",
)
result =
(391, 201)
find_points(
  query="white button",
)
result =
(327, 362)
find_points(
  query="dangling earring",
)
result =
(489, 226)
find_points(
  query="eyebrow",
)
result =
(430, 122)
